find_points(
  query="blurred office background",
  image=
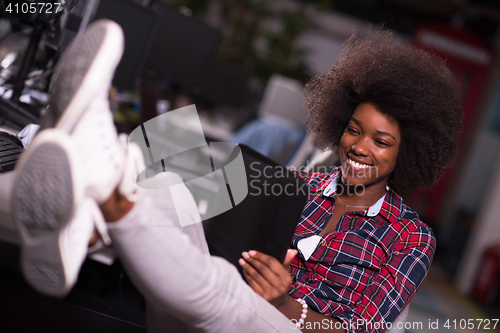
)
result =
(244, 63)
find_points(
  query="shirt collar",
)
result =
(389, 205)
(329, 185)
(375, 208)
(331, 189)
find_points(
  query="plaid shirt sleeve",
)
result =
(398, 280)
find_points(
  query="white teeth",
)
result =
(358, 165)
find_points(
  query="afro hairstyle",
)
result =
(410, 85)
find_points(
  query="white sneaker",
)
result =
(79, 105)
(133, 166)
(54, 199)
(51, 214)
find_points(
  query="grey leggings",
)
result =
(180, 278)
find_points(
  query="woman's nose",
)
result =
(360, 147)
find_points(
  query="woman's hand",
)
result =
(267, 276)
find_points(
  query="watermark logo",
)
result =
(174, 144)
(26, 14)
(264, 180)
(356, 325)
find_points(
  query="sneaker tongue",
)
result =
(133, 165)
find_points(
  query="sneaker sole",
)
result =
(43, 202)
(82, 67)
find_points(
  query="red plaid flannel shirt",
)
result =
(370, 267)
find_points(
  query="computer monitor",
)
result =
(182, 49)
(139, 25)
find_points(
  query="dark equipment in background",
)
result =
(225, 83)
(10, 149)
(182, 49)
(13, 112)
(139, 25)
(266, 219)
(72, 24)
(16, 115)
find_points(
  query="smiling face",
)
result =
(369, 148)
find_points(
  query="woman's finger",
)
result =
(271, 270)
(254, 285)
(272, 263)
(255, 275)
(263, 268)
(290, 254)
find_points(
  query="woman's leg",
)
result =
(159, 321)
(203, 291)
(206, 292)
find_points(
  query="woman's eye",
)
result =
(352, 130)
(381, 143)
